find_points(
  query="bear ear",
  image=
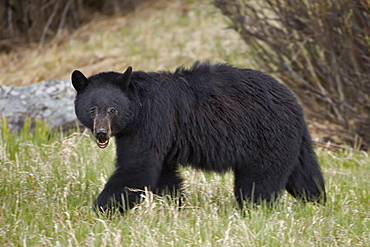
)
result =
(79, 81)
(123, 80)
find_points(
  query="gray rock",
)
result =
(51, 101)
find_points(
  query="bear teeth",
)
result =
(102, 144)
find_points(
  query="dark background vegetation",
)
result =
(36, 21)
(319, 49)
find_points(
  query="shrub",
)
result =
(320, 50)
(30, 21)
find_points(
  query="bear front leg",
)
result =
(170, 180)
(124, 188)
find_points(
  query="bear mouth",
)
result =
(102, 143)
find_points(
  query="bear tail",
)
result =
(306, 182)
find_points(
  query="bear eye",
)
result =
(92, 110)
(113, 111)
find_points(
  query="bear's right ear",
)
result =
(79, 81)
(123, 80)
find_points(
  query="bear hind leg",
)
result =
(307, 185)
(306, 181)
(264, 190)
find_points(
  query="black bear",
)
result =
(210, 117)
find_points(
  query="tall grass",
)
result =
(47, 187)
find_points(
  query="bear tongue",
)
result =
(101, 143)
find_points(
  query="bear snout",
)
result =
(102, 137)
(101, 134)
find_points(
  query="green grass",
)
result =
(48, 183)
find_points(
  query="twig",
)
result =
(48, 23)
(64, 14)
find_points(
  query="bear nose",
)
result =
(101, 134)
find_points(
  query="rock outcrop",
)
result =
(51, 101)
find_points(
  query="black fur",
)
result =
(211, 117)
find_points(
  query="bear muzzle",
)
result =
(102, 138)
(102, 131)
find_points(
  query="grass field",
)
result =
(48, 180)
(48, 183)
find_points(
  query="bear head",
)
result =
(102, 103)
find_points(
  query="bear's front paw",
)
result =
(109, 202)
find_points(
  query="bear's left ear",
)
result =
(123, 80)
(79, 81)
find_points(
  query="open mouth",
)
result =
(102, 143)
